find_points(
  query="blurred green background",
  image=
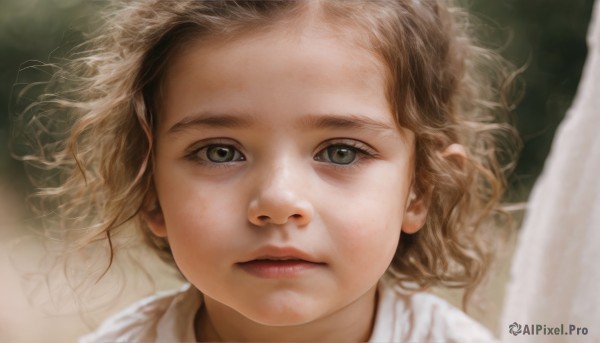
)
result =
(548, 35)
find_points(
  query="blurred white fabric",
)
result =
(555, 276)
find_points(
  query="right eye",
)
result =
(218, 153)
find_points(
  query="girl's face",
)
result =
(282, 178)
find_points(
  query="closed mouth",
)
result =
(279, 259)
(278, 267)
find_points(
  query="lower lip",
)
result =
(278, 269)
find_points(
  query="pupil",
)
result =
(220, 154)
(341, 155)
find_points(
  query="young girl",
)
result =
(308, 166)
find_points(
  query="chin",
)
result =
(280, 315)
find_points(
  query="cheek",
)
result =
(370, 238)
(186, 200)
(198, 219)
(366, 228)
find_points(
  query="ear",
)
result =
(415, 212)
(155, 219)
(156, 222)
(417, 207)
(455, 153)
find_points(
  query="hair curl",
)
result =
(96, 134)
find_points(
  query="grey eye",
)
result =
(222, 154)
(338, 154)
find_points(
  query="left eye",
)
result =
(338, 154)
(219, 154)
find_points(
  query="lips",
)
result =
(280, 262)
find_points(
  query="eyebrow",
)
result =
(313, 121)
(213, 120)
(346, 121)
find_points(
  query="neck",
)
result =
(217, 322)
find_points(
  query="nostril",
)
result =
(296, 216)
(263, 218)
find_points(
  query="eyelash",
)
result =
(363, 152)
(193, 154)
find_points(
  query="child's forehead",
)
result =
(313, 57)
(290, 31)
(307, 21)
(283, 49)
(297, 53)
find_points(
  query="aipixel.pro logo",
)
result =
(514, 328)
(539, 329)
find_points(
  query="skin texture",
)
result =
(281, 109)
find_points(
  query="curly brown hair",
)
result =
(443, 86)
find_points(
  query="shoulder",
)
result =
(449, 322)
(423, 317)
(140, 322)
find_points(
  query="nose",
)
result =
(278, 199)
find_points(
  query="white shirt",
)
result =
(417, 317)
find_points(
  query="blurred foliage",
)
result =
(31, 31)
(546, 35)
